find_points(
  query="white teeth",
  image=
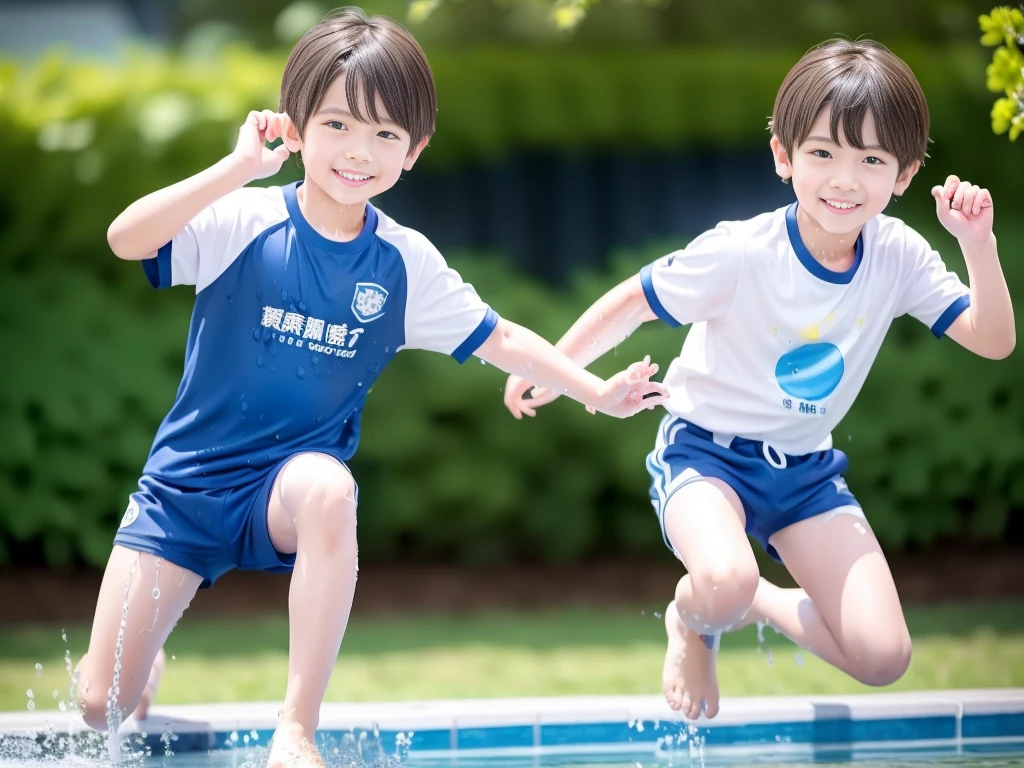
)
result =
(843, 206)
(351, 176)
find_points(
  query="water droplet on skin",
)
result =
(156, 593)
(39, 670)
(300, 372)
(260, 361)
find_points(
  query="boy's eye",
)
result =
(822, 153)
(336, 125)
(873, 160)
(387, 135)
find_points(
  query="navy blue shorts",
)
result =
(776, 489)
(207, 532)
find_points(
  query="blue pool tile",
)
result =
(493, 737)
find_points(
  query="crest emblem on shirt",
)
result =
(131, 514)
(368, 301)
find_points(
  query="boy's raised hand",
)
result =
(252, 151)
(965, 210)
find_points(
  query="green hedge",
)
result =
(94, 356)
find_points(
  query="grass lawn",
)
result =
(576, 651)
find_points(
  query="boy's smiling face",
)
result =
(839, 186)
(349, 159)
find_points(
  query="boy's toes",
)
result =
(711, 708)
(673, 697)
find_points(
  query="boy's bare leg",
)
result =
(157, 594)
(149, 692)
(704, 521)
(312, 512)
(848, 611)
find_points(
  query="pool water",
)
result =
(974, 757)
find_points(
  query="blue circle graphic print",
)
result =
(811, 372)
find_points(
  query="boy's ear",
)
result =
(410, 160)
(904, 178)
(783, 165)
(290, 136)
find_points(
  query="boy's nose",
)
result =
(359, 154)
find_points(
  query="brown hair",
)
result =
(379, 57)
(854, 78)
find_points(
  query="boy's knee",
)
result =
(315, 481)
(322, 495)
(881, 661)
(724, 592)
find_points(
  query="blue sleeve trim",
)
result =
(158, 269)
(953, 311)
(477, 337)
(646, 275)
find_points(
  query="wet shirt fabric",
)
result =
(289, 332)
(291, 329)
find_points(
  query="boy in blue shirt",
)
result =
(788, 311)
(304, 293)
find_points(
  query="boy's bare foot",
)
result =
(149, 693)
(292, 748)
(689, 678)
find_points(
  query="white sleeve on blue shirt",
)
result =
(932, 293)
(443, 313)
(698, 283)
(214, 238)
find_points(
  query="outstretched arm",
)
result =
(522, 353)
(606, 324)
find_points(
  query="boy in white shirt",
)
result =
(788, 311)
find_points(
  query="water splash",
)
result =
(762, 644)
(114, 716)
